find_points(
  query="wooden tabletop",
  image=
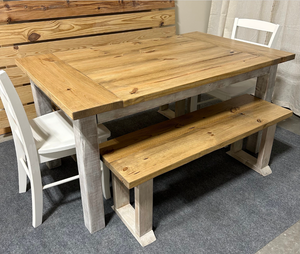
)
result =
(89, 81)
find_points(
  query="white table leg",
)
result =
(43, 106)
(264, 89)
(88, 160)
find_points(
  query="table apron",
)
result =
(118, 113)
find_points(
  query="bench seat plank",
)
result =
(144, 154)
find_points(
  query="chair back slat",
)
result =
(19, 123)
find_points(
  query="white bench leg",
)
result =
(165, 111)
(261, 164)
(138, 220)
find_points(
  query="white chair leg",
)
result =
(37, 203)
(21, 171)
(105, 181)
(22, 178)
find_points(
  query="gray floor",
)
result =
(289, 241)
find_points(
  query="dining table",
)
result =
(98, 84)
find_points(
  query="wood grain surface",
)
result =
(13, 11)
(10, 53)
(135, 72)
(144, 154)
(74, 100)
(66, 28)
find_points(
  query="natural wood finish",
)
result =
(17, 76)
(86, 140)
(64, 28)
(152, 68)
(74, 102)
(10, 53)
(13, 11)
(280, 55)
(158, 68)
(118, 113)
(142, 155)
(4, 124)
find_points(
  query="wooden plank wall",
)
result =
(40, 27)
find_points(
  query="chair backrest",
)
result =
(257, 25)
(22, 133)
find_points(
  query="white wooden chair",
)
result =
(42, 139)
(247, 86)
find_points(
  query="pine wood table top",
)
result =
(86, 82)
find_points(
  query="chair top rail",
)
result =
(257, 24)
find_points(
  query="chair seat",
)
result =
(53, 133)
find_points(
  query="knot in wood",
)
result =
(259, 121)
(33, 37)
(16, 47)
(9, 20)
(134, 90)
(124, 169)
(161, 24)
(7, 6)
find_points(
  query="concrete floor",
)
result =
(289, 241)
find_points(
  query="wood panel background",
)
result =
(41, 27)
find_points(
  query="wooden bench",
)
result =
(136, 158)
(40, 27)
